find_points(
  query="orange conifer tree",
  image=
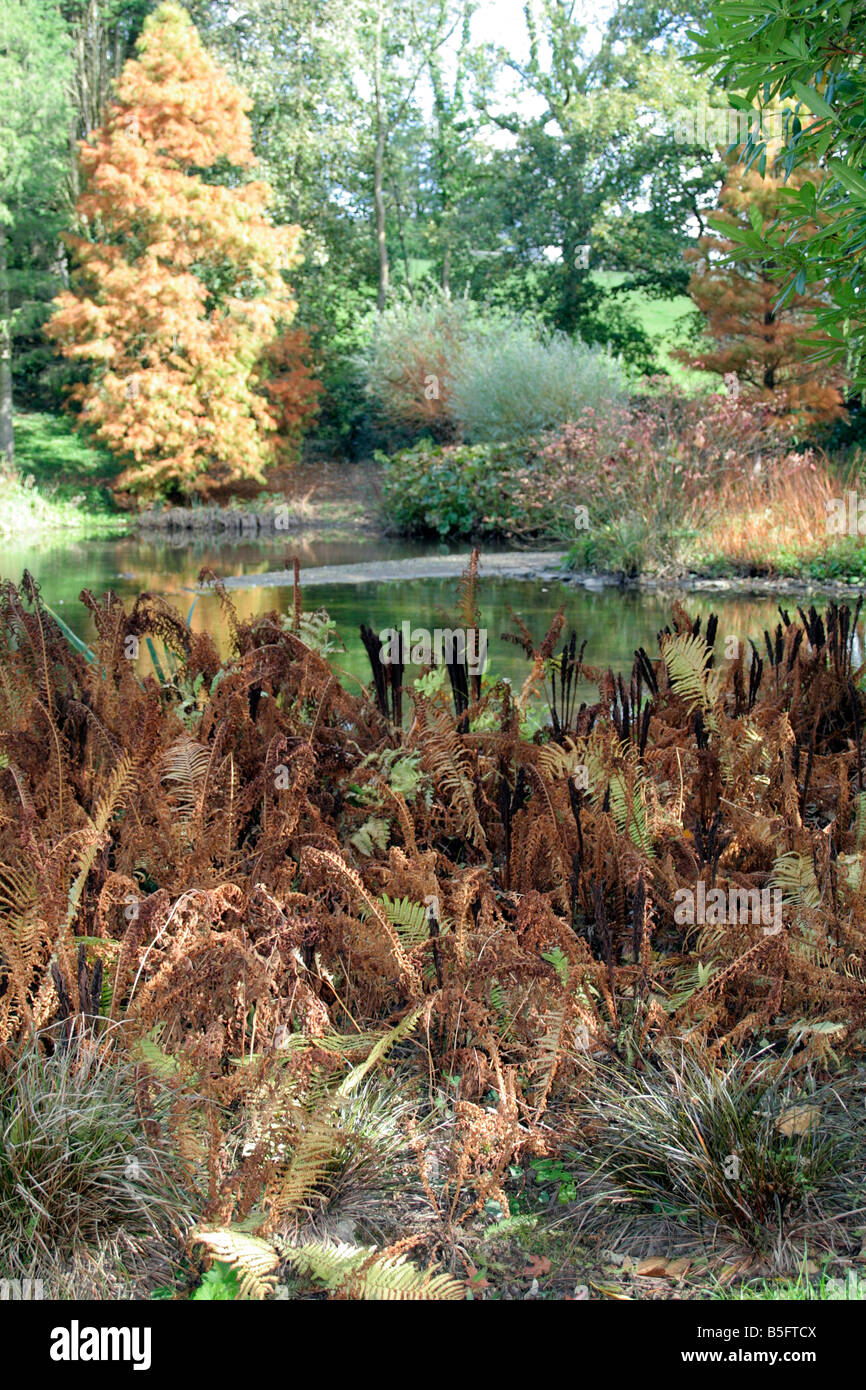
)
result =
(767, 348)
(179, 301)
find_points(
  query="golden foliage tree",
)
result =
(179, 300)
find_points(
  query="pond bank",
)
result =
(513, 564)
(543, 565)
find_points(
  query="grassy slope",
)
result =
(664, 321)
(61, 481)
(58, 458)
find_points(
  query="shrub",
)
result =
(409, 363)
(523, 381)
(461, 490)
(80, 1175)
(749, 1156)
(646, 475)
(457, 370)
(292, 389)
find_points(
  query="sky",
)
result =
(501, 21)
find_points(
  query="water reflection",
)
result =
(614, 623)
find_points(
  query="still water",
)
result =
(613, 622)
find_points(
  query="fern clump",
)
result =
(341, 1270)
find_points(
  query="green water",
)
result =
(613, 622)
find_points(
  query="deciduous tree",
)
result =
(770, 348)
(180, 288)
(34, 66)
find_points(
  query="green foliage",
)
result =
(552, 1172)
(319, 632)
(35, 71)
(459, 490)
(805, 1288)
(793, 59)
(65, 465)
(219, 1283)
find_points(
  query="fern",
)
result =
(378, 1051)
(121, 778)
(692, 679)
(355, 1272)
(311, 1161)
(559, 960)
(448, 762)
(187, 765)
(625, 785)
(409, 918)
(371, 836)
(348, 1270)
(795, 875)
(253, 1261)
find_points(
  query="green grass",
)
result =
(664, 322)
(64, 463)
(60, 482)
(806, 1287)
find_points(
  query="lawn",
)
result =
(665, 322)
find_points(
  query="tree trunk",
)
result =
(7, 438)
(446, 268)
(770, 370)
(379, 171)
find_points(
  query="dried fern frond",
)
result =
(254, 1261)
(187, 765)
(447, 760)
(318, 1141)
(121, 778)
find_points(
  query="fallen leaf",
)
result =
(476, 1280)
(538, 1266)
(612, 1293)
(798, 1120)
(653, 1267)
(677, 1268)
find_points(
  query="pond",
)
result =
(614, 622)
